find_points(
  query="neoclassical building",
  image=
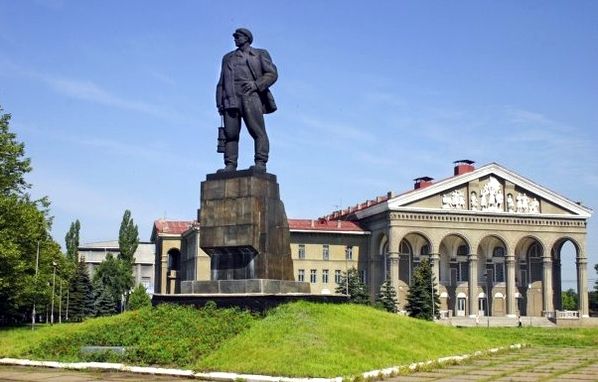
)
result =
(494, 238)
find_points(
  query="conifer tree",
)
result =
(81, 293)
(423, 293)
(387, 298)
(350, 283)
(104, 304)
(139, 298)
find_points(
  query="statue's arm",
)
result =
(220, 90)
(270, 73)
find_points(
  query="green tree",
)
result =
(139, 298)
(81, 293)
(115, 274)
(128, 238)
(104, 304)
(24, 227)
(422, 298)
(350, 283)
(569, 300)
(72, 240)
(387, 298)
(13, 164)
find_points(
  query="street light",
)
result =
(53, 289)
(487, 298)
(35, 283)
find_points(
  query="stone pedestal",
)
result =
(244, 228)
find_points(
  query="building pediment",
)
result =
(491, 189)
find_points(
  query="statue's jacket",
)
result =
(264, 72)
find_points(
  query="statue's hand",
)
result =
(249, 87)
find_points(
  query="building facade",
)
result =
(143, 268)
(494, 238)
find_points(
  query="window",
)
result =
(463, 271)
(301, 275)
(363, 276)
(535, 250)
(313, 276)
(461, 304)
(301, 253)
(337, 276)
(462, 250)
(425, 250)
(498, 252)
(325, 252)
(349, 252)
(325, 276)
(499, 272)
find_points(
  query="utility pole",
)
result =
(35, 283)
(53, 289)
(60, 304)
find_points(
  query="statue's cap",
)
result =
(246, 32)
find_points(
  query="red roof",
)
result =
(172, 226)
(324, 225)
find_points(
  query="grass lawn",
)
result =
(300, 339)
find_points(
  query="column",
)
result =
(393, 254)
(473, 284)
(164, 274)
(582, 285)
(547, 285)
(511, 287)
(435, 260)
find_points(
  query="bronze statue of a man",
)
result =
(242, 93)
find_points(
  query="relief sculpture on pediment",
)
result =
(454, 200)
(527, 205)
(491, 196)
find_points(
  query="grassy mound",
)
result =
(305, 339)
(167, 335)
(300, 339)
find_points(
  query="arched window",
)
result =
(463, 250)
(535, 250)
(174, 256)
(425, 250)
(498, 252)
(405, 256)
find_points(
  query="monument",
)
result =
(244, 227)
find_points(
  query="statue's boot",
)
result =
(259, 167)
(228, 168)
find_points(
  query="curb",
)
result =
(232, 377)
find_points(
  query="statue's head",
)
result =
(242, 35)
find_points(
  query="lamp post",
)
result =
(53, 289)
(487, 299)
(60, 304)
(35, 283)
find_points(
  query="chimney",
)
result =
(422, 182)
(463, 166)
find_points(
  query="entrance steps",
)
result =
(500, 321)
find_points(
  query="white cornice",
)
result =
(398, 203)
(330, 231)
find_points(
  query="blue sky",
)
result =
(115, 100)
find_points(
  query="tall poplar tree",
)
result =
(128, 238)
(72, 240)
